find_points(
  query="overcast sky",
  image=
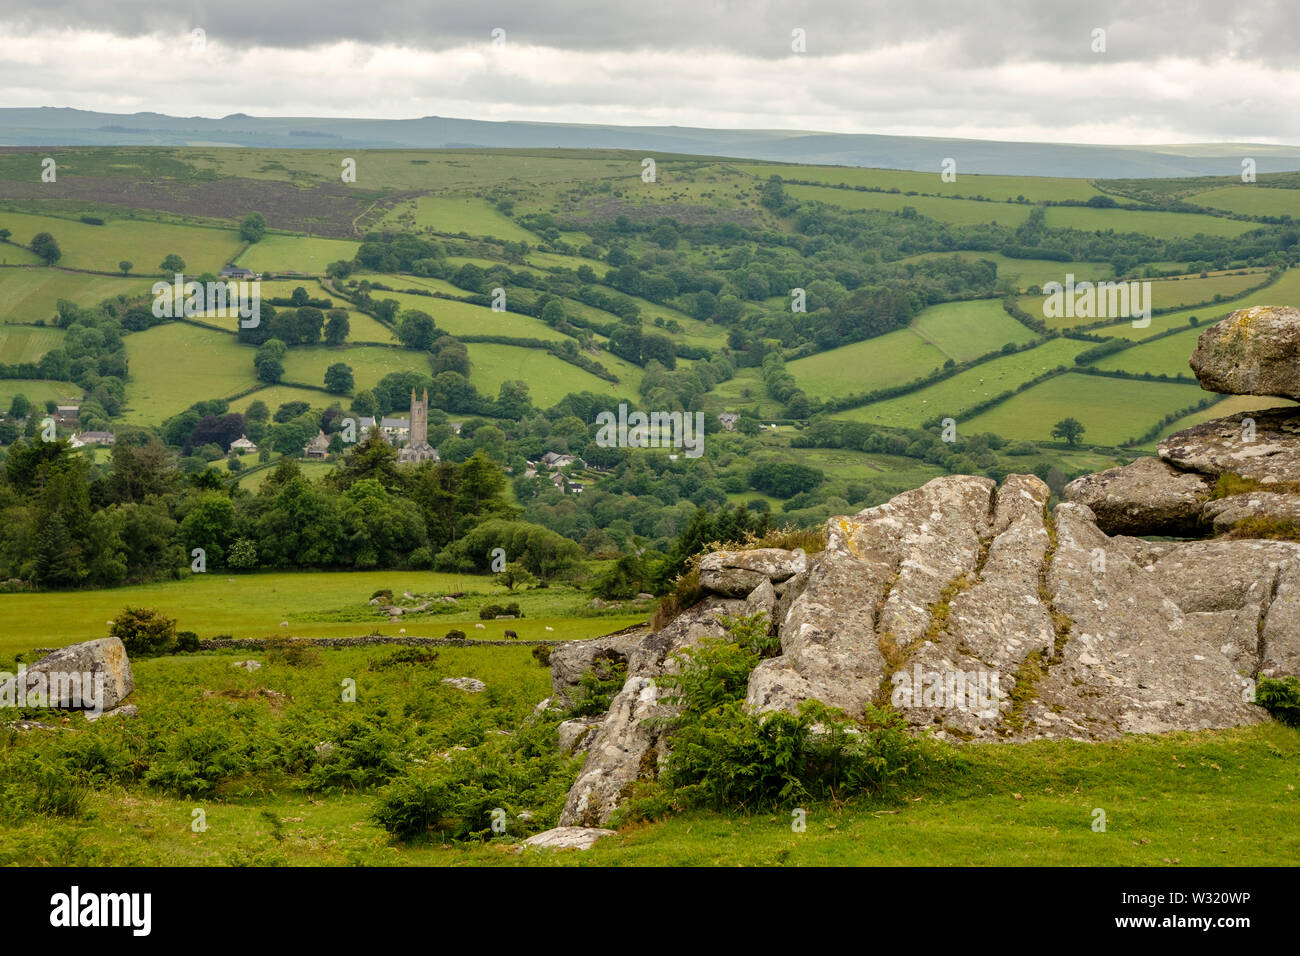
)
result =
(1018, 69)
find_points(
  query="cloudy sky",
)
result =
(1208, 71)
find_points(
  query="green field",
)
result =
(1176, 225)
(451, 215)
(952, 396)
(894, 358)
(1251, 200)
(15, 255)
(967, 330)
(465, 318)
(307, 364)
(1000, 188)
(1113, 410)
(549, 379)
(296, 254)
(1164, 356)
(315, 603)
(145, 243)
(276, 395)
(1023, 273)
(30, 295)
(955, 212)
(177, 364)
(38, 391)
(25, 343)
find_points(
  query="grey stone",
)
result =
(470, 685)
(1215, 447)
(568, 838)
(1148, 496)
(60, 676)
(1226, 513)
(1251, 352)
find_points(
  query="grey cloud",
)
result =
(973, 32)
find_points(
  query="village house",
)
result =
(236, 272)
(242, 446)
(728, 420)
(555, 460)
(318, 447)
(92, 438)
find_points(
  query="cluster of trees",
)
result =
(68, 523)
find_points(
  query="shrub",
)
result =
(384, 594)
(404, 657)
(187, 642)
(285, 650)
(542, 654)
(597, 687)
(489, 611)
(144, 631)
(1281, 698)
(456, 635)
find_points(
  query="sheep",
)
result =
(512, 634)
(549, 628)
(480, 627)
(284, 623)
(401, 630)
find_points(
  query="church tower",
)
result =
(417, 447)
(419, 420)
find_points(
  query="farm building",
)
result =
(92, 438)
(318, 447)
(243, 446)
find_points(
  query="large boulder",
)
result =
(92, 676)
(976, 614)
(570, 661)
(1148, 496)
(1252, 352)
(1225, 514)
(1264, 445)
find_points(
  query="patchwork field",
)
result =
(1231, 405)
(30, 295)
(276, 253)
(886, 360)
(955, 212)
(952, 396)
(1114, 411)
(1023, 273)
(307, 364)
(1000, 188)
(27, 343)
(1251, 200)
(451, 215)
(38, 391)
(967, 330)
(549, 379)
(1164, 356)
(145, 243)
(1169, 224)
(177, 364)
(273, 396)
(464, 318)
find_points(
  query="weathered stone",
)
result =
(569, 662)
(1251, 352)
(86, 676)
(575, 735)
(1215, 447)
(775, 564)
(470, 685)
(1226, 513)
(1148, 496)
(249, 666)
(730, 582)
(568, 838)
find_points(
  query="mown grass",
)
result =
(967, 330)
(894, 358)
(30, 295)
(27, 343)
(1251, 200)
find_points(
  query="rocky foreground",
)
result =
(979, 613)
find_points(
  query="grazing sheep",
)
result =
(512, 634)
(549, 628)
(477, 627)
(284, 623)
(401, 630)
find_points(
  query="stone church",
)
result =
(417, 447)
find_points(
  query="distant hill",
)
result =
(49, 126)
